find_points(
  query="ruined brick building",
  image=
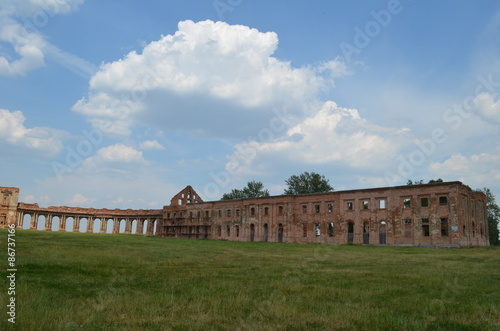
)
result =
(441, 214)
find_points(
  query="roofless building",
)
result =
(439, 214)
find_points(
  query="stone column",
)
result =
(48, 222)
(33, 221)
(128, 226)
(90, 224)
(62, 223)
(151, 226)
(116, 226)
(104, 222)
(19, 220)
(76, 224)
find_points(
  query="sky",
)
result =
(122, 104)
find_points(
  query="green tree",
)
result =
(307, 183)
(252, 190)
(493, 215)
(420, 182)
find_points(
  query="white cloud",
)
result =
(334, 68)
(151, 144)
(144, 190)
(41, 201)
(117, 158)
(42, 139)
(334, 135)
(39, 8)
(120, 153)
(487, 107)
(477, 170)
(203, 72)
(26, 40)
(27, 45)
(79, 200)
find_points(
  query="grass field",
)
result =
(73, 281)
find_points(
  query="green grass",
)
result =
(73, 281)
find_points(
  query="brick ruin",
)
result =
(440, 214)
(14, 212)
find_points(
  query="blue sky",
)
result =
(122, 104)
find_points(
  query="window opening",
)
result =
(425, 229)
(330, 229)
(444, 227)
(424, 202)
(407, 203)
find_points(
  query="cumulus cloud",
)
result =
(23, 35)
(41, 201)
(27, 45)
(117, 158)
(13, 131)
(487, 107)
(151, 144)
(478, 170)
(119, 153)
(204, 72)
(103, 190)
(333, 135)
(79, 200)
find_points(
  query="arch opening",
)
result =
(83, 224)
(56, 220)
(42, 219)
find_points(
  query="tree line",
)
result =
(311, 182)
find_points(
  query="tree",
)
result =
(307, 183)
(493, 215)
(252, 190)
(420, 182)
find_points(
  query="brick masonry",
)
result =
(440, 214)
